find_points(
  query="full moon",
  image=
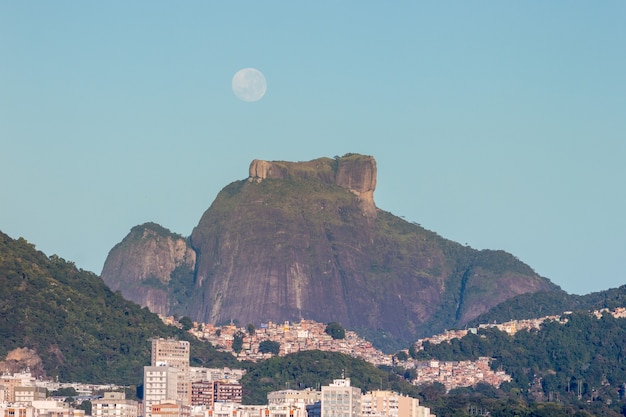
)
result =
(249, 84)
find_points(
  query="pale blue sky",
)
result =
(497, 124)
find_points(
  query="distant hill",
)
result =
(541, 304)
(306, 240)
(578, 359)
(80, 330)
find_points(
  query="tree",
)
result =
(87, 406)
(269, 346)
(238, 342)
(251, 329)
(64, 392)
(335, 330)
(412, 351)
(431, 392)
(402, 356)
(186, 322)
(410, 374)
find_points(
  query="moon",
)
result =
(249, 84)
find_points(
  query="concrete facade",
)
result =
(340, 399)
(114, 404)
(160, 383)
(174, 353)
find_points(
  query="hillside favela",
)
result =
(296, 296)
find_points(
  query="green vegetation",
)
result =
(551, 303)
(312, 369)
(64, 392)
(269, 346)
(238, 342)
(157, 228)
(82, 331)
(180, 287)
(383, 340)
(335, 330)
(186, 322)
(582, 360)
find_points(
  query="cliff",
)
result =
(354, 172)
(152, 267)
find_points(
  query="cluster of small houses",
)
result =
(309, 335)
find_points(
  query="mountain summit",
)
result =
(306, 240)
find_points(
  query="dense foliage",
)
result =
(543, 304)
(312, 369)
(582, 359)
(335, 330)
(82, 331)
(269, 346)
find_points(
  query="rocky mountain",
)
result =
(153, 267)
(306, 240)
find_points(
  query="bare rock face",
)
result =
(359, 176)
(23, 359)
(142, 266)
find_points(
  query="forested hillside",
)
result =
(541, 304)
(578, 359)
(81, 330)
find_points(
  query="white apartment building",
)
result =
(291, 403)
(114, 404)
(339, 399)
(391, 404)
(160, 383)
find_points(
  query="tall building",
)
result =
(160, 383)
(174, 353)
(114, 404)
(391, 404)
(339, 399)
